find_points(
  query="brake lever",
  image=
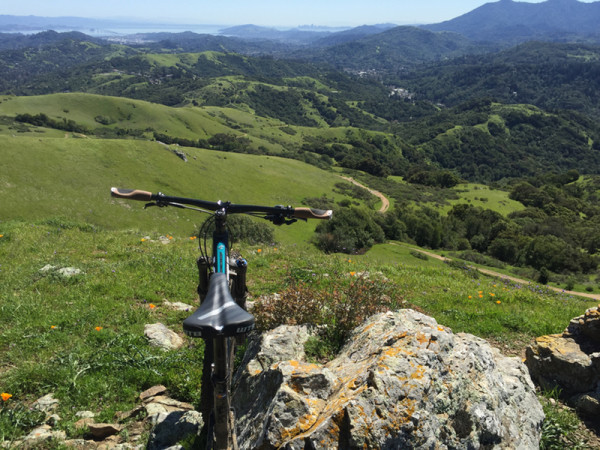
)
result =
(161, 204)
(281, 220)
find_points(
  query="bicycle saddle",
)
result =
(219, 314)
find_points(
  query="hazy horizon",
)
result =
(273, 13)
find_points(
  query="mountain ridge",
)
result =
(512, 22)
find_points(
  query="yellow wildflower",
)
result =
(98, 328)
(498, 302)
(5, 396)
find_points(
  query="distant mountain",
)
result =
(14, 41)
(393, 50)
(193, 42)
(255, 32)
(513, 22)
(353, 34)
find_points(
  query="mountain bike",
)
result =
(222, 319)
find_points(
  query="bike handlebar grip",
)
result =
(131, 194)
(311, 213)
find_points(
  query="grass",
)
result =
(484, 197)
(44, 177)
(50, 341)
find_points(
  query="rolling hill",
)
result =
(70, 178)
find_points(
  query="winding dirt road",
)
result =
(385, 203)
(511, 278)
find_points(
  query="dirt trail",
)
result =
(385, 203)
(511, 278)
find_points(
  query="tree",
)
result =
(351, 230)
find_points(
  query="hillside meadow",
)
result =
(70, 177)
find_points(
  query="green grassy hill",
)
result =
(46, 177)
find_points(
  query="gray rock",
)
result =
(100, 431)
(66, 272)
(163, 404)
(161, 336)
(178, 306)
(571, 362)
(174, 428)
(47, 403)
(69, 272)
(43, 433)
(152, 392)
(402, 381)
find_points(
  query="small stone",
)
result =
(83, 423)
(85, 414)
(588, 405)
(53, 420)
(47, 268)
(152, 392)
(43, 433)
(175, 427)
(47, 403)
(124, 415)
(161, 336)
(100, 431)
(163, 404)
(177, 306)
(69, 271)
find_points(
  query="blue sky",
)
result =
(259, 12)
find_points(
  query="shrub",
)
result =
(419, 255)
(243, 228)
(340, 308)
(350, 231)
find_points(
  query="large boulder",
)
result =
(571, 362)
(402, 381)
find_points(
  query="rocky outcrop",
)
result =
(402, 381)
(571, 362)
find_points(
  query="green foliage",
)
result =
(42, 120)
(16, 419)
(250, 231)
(351, 230)
(544, 276)
(437, 178)
(338, 308)
(548, 75)
(561, 425)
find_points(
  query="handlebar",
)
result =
(276, 211)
